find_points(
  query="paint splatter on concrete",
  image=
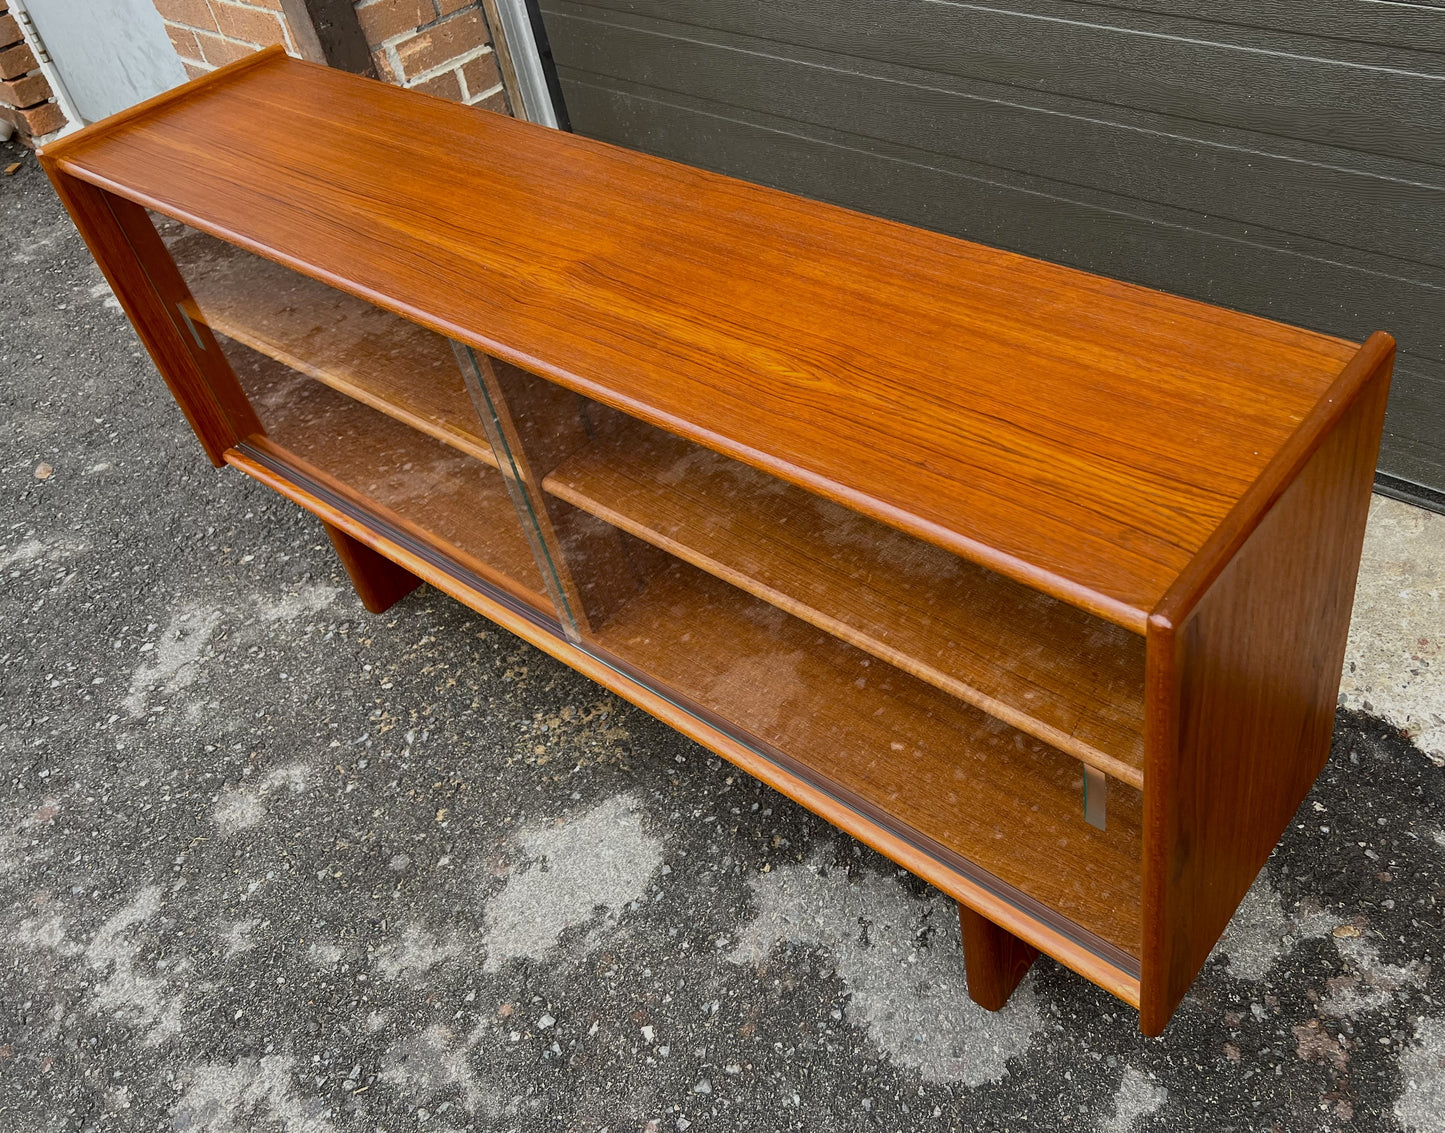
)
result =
(1421, 1107)
(325, 954)
(103, 292)
(237, 810)
(901, 960)
(1260, 932)
(174, 657)
(1371, 983)
(436, 1061)
(415, 954)
(32, 550)
(123, 991)
(248, 1094)
(241, 808)
(1257, 933)
(236, 938)
(1137, 1097)
(302, 603)
(602, 859)
(1395, 661)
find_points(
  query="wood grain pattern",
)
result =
(1242, 699)
(388, 363)
(1067, 678)
(995, 960)
(440, 496)
(985, 402)
(1047, 937)
(1006, 802)
(378, 581)
(150, 290)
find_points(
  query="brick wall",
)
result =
(438, 46)
(209, 33)
(25, 100)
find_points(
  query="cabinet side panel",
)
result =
(150, 289)
(1242, 703)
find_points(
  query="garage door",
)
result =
(1284, 157)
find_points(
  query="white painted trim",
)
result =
(31, 33)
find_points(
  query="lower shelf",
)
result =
(439, 496)
(905, 754)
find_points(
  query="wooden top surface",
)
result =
(1079, 434)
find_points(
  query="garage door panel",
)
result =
(1271, 168)
(1363, 21)
(914, 187)
(1414, 443)
(1147, 158)
(1335, 92)
(1416, 461)
(1417, 401)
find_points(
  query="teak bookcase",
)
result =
(1036, 582)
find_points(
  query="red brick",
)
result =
(269, 5)
(192, 13)
(445, 85)
(384, 69)
(9, 31)
(439, 45)
(216, 51)
(195, 70)
(495, 102)
(447, 7)
(250, 25)
(16, 61)
(385, 19)
(184, 41)
(480, 74)
(37, 120)
(28, 90)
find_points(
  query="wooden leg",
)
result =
(379, 582)
(995, 959)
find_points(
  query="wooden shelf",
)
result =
(969, 783)
(442, 497)
(1071, 680)
(405, 371)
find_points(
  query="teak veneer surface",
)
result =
(437, 495)
(976, 786)
(388, 363)
(1078, 434)
(1070, 679)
